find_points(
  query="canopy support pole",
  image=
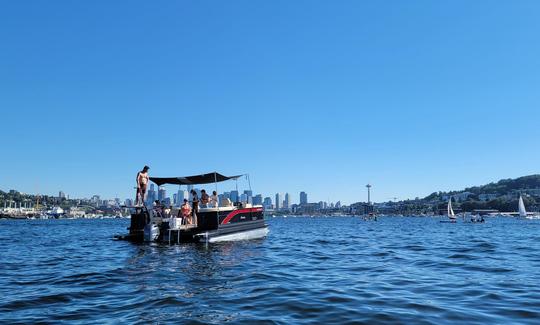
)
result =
(215, 182)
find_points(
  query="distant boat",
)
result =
(521, 205)
(451, 214)
(523, 213)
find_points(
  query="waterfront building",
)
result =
(267, 202)
(151, 195)
(279, 201)
(95, 200)
(167, 201)
(234, 196)
(180, 196)
(287, 201)
(162, 193)
(258, 199)
(249, 194)
(244, 198)
(303, 198)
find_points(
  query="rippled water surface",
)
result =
(309, 270)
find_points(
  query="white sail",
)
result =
(522, 211)
(451, 214)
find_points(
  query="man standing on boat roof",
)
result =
(142, 184)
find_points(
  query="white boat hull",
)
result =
(243, 235)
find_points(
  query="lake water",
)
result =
(308, 270)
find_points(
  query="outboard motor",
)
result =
(151, 232)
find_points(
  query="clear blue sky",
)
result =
(321, 96)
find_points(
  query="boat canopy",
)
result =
(193, 180)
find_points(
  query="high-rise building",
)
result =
(249, 194)
(267, 203)
(244, 198)
(287, 202)
(180, 196)
(151, 195)
(234, 196)
(175, 199)
(279, 201)
(258, 199)
(162, 193)
(61, 195)
(303, 198)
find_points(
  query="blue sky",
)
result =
(321, 96)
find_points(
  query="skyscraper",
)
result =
(287, 202)
(151, 195)
(258, 199)
(244, 198)
(162, 193)
(303, 198)
(267, 203)
(279, 201)
(180, 196)
(234, 196)
(249, 194)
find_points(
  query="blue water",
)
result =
(309, 270)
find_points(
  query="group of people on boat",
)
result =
(187, 212)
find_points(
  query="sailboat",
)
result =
(451, 214)
(523, 213)
(521, 205)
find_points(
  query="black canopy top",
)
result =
(193, 180)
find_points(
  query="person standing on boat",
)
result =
(214, 200)
(142, 184)
(204, 199)
(195, 203)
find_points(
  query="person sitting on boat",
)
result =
(158, 209)
(214, 200)
(142, 183)
(167, 211)
(185, 211)
(204, 199)
(195, 203)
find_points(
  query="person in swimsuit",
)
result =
(195, 203)
(185, 212)
(142, 184)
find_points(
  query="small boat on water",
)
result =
(226, 221)
(523, 212)
(521, 207)
(450, 213)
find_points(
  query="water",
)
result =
(309, 270)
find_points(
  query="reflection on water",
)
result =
(323, 270)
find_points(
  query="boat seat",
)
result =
(226, 202)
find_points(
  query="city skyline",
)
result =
(410, 97)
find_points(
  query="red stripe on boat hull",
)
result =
(233, 213)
